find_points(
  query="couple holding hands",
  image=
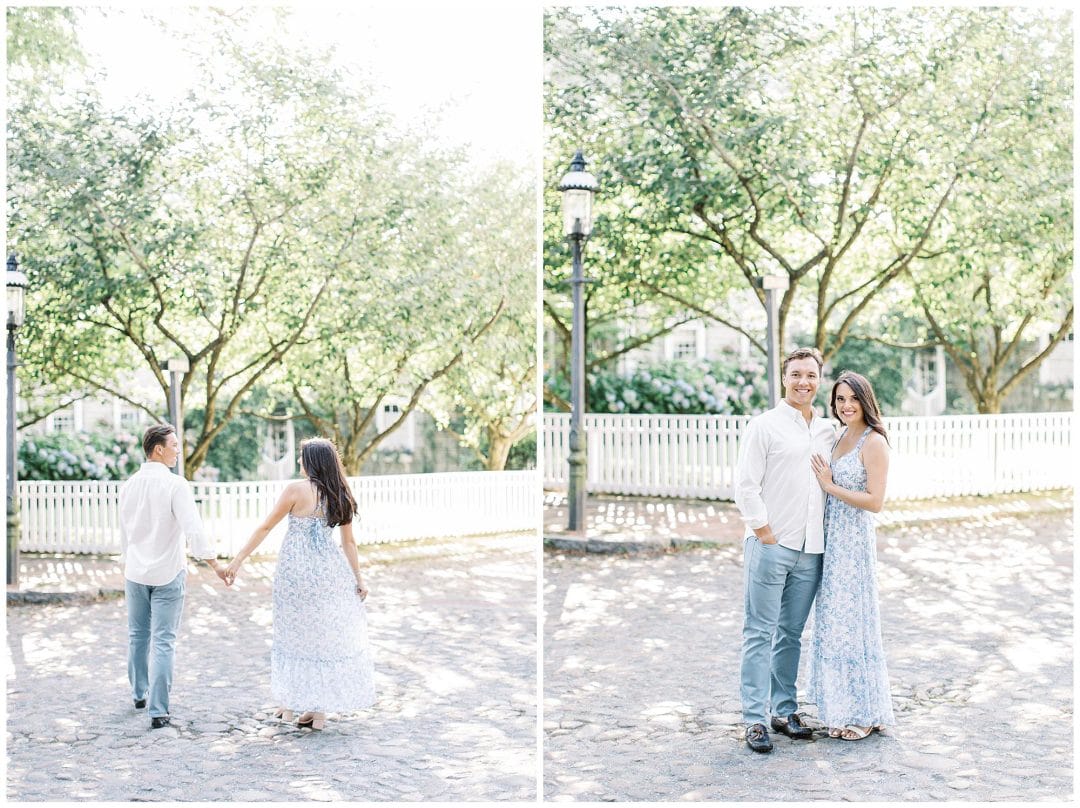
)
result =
(320, 660)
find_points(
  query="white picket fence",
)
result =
(697, 455)
(82, 517)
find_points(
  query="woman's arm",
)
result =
(875, 456)
(284, 504)
(348, 546)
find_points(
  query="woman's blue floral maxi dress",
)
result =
(848, 678)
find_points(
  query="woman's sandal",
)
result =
(853, 733)
(284, 713)
(312, 720)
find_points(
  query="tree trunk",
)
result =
(499, 446)
(989, 403)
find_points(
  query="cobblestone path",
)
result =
(642, 666)
(453, 628)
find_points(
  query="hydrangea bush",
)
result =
(79, 456)
(697, 387)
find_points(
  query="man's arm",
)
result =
(749, 477)
(187, 514)
(123, 529)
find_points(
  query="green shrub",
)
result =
(730, 386)
(79, 456)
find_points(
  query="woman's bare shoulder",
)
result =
(298, 491)
(876, 442)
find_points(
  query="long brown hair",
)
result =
(864, 392)
(323, 467)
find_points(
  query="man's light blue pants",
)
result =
(779, 589)
(153, 619)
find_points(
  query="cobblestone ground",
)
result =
(642, 664)
(453, 629)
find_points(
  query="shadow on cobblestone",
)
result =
(453, 632)
(642, 664)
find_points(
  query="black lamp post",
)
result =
(578, 187)
(16, 315)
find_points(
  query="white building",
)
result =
(1058, 367)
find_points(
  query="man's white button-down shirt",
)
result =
(775, 484)
(157, 509)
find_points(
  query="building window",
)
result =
(685, 346)
(130, 419)
(63, 421)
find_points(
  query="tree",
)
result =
(998, 275)
(213, 232)
(424, 307)
(41, 40)
(493, 386)
(827, 147)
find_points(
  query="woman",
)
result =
(320, 661)
(848, 678)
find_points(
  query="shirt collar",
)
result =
(152, 466)
(794, 414)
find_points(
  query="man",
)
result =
(783, 508)
(157, 509)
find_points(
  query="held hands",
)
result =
(820, 467)
(219, 570)
(230, 572)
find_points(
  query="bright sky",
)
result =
(477, 68)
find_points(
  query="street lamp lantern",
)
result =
(578, 187)
(16, 315)
(16, 294)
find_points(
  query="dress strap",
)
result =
(837, 440)
(862, 438)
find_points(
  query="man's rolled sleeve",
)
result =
(187, 514)
(749, 477)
